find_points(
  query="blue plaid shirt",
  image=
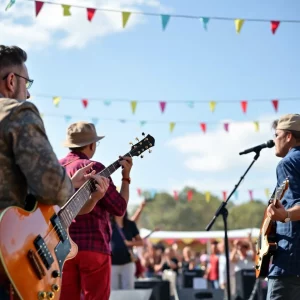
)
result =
(286, 261)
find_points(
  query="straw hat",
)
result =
(81, 134)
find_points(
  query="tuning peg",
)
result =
(131, 143)
(142, 156)
(137, 139)
(143, 133)
(150, 150)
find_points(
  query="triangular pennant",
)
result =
(251, 195)
(162, 105)
(95, 121)
(226, 127)
(275, 104)
(203, 127)
(139, 192)
(238, 25)
(85, 102)
(189, 195)
(267, 192)
(190, 104)
(122, 120)
(164, 21)
(172, 125)
(66, 10)
(256, 126)
(38, 7)
(224, 193)
(236, 194)
(207, 196)
(56, 101)
(68, 118)
(244, 105)
(142, 123)
(133, 106)
(90, 13)
(41, 115)
(274, 26)
(125, 17)
(212, 106)
(107, 102)
(10, 4)
(175, 193)
(204, 22)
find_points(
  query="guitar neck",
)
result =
(71, 209)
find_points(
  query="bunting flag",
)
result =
(107, 102)
(256, 126)
(203, 127)
(164, 21)
(267, 192)
(90, 13)
(10, 4)
(224, 193)
(251, 195)
(226, 127)
(56, 101)
(68, 119)
(38, 7)
(238, 25)
(207, 196)
(142, 123)
(125, 17)
(190, 104)
(133, 106)
(176, 196)
(162, 105)
(139, 192)
(236, 194)
(189, 195)
(275, 104)
(274, 26)
(95, 121)
(66, 10)
(85, 102)
(42, 116)
(244, 105)
(212, 105)
(204, 22)
(172, 125)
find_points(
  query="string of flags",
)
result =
(165, 18)
(162, 105)
(190, 194)
(202, 125)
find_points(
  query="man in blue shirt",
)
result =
(284, 273)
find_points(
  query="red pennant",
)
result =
(162, 105)
(90, 13)
(85, 102)
(189, 195)
(175, 195)
(275, 104)
(251, 195)
(274, 26)
(38, 7)
(244, 106)
(203, 127)
(226, 126)
(224, 195)
(139, 191)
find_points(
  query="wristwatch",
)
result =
(287, 219)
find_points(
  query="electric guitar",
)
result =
(35, 244)
(266, 244)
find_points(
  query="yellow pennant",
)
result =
(238, 25)
(41, 115)
(187, 240)
(207, 196)
(125, 17)
(133, 106)
(172, 125)
(256, 126)
(56, 101)
(212, 106)
(267, 192)
(66, 10)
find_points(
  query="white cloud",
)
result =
(20, 26)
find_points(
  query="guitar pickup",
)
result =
(61, 232)
(43, 251)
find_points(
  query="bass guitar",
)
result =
(35, 244)
(266, 243)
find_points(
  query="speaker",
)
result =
(203, 294)
(130, 294)
(160, 288)
(188, 277)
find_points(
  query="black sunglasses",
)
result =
(29, 82)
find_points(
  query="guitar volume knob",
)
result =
(55, 288)
(55, 274)
(42, 295)
(50, 295)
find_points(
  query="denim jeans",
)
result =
(283, 288)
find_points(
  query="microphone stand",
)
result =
(222, 210)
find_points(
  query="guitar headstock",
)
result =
(280, 191)
(141, 146)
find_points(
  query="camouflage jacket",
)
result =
(27, 160)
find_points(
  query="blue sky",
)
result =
(68, 56)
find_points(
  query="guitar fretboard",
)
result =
(71, 209)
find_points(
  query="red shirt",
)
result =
(214, 267)
(92, 231)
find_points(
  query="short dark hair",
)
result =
(11, 56)
(295, 134)
(78, 149)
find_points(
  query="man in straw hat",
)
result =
(284, 273)
(27, 160)
(90, 270)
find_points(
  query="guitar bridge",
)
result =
(36, 265)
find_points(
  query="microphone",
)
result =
(268, 144)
